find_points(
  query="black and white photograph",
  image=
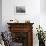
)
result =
(20, 9)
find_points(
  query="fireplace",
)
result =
(20, 38)
(22, 33)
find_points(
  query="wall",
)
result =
(32, 9)
(0, 15)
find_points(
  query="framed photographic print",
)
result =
(20, 9)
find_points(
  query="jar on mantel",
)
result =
(27, 21)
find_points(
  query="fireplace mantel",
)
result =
(22, 33)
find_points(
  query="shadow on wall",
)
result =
(0, 15)
(43, 6)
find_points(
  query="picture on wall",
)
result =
(20, 9)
